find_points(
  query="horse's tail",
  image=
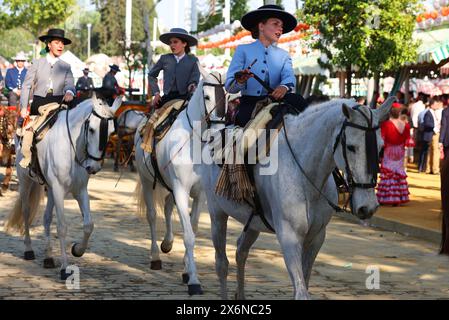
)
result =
(158, 200)
(16, 220)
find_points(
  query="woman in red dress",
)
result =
(393, 188)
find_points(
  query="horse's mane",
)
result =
(320, 108)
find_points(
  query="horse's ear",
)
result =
(94, 98)
(203, 72)
(346, 110)
(117, 103)
(384, 110)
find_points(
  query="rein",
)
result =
(370, 138)
(104, 125)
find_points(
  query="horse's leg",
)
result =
(25, 194)
(58, 197)
(182, 203)
(8, 174)
(117, 154)
(78, 249)
(195, 212)
(244, 243)
(311, 250)
(147, 188)
(167, 243)
(130, 155)
(219, 224)
(292, 249)
(48, 217)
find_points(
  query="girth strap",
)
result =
(157, 174)
(257, 208)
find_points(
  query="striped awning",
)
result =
(434, 45)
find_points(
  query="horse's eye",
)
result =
(206, 98)
(91, 130)
(351, 148)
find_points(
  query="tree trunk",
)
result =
(348, 81)
(373, 103)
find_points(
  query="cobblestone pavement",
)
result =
(116, 265)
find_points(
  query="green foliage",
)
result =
(372, 35)
(208, 21)
(35, 16)
(111, 29)
(15, 40)
(76, 30)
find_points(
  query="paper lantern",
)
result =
(436, 4)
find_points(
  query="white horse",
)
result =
(72, 150)
(175, 163)
(298, 199)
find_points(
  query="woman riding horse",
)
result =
(52, 81)
(181, 73)
(274, 65)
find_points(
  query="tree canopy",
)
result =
(374, 36)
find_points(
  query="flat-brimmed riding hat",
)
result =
(20, 57)
(86, 69)
(252, 18)
(179, 33)
(55, 34)
(115, 68)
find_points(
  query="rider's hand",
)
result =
(191, 88)
(242, 76)
(279, 93)
(156, 99)
(68, 97)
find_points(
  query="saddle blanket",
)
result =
(148, 128)
(37, 121)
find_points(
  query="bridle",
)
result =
(372, 161)
(372, 155)
(104, 129)
(219, 103)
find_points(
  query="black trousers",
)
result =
(171, 96)
(246, 108)
(422, 162)
(248, 103)
(40, 101)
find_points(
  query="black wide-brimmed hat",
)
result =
(115, 68)
(252, 18)
(179, 33)
(55, 34)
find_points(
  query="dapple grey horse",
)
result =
(175, 154)
(71, 150)
(296, 199)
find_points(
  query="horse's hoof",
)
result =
(65, 275)
(49, 263)
(115, 169)
(132, 169)
(195, 289)
(74, 253)
(185, 278)
(166, 246)
(156, 265)
(29, 255)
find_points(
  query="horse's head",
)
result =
(97, 129)
(213, 94)
(356, 152)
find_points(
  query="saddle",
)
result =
(155, 128)
(35, 131)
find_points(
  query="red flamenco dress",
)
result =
(393, 187)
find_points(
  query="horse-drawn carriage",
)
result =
(8, 119)
(120, 145)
